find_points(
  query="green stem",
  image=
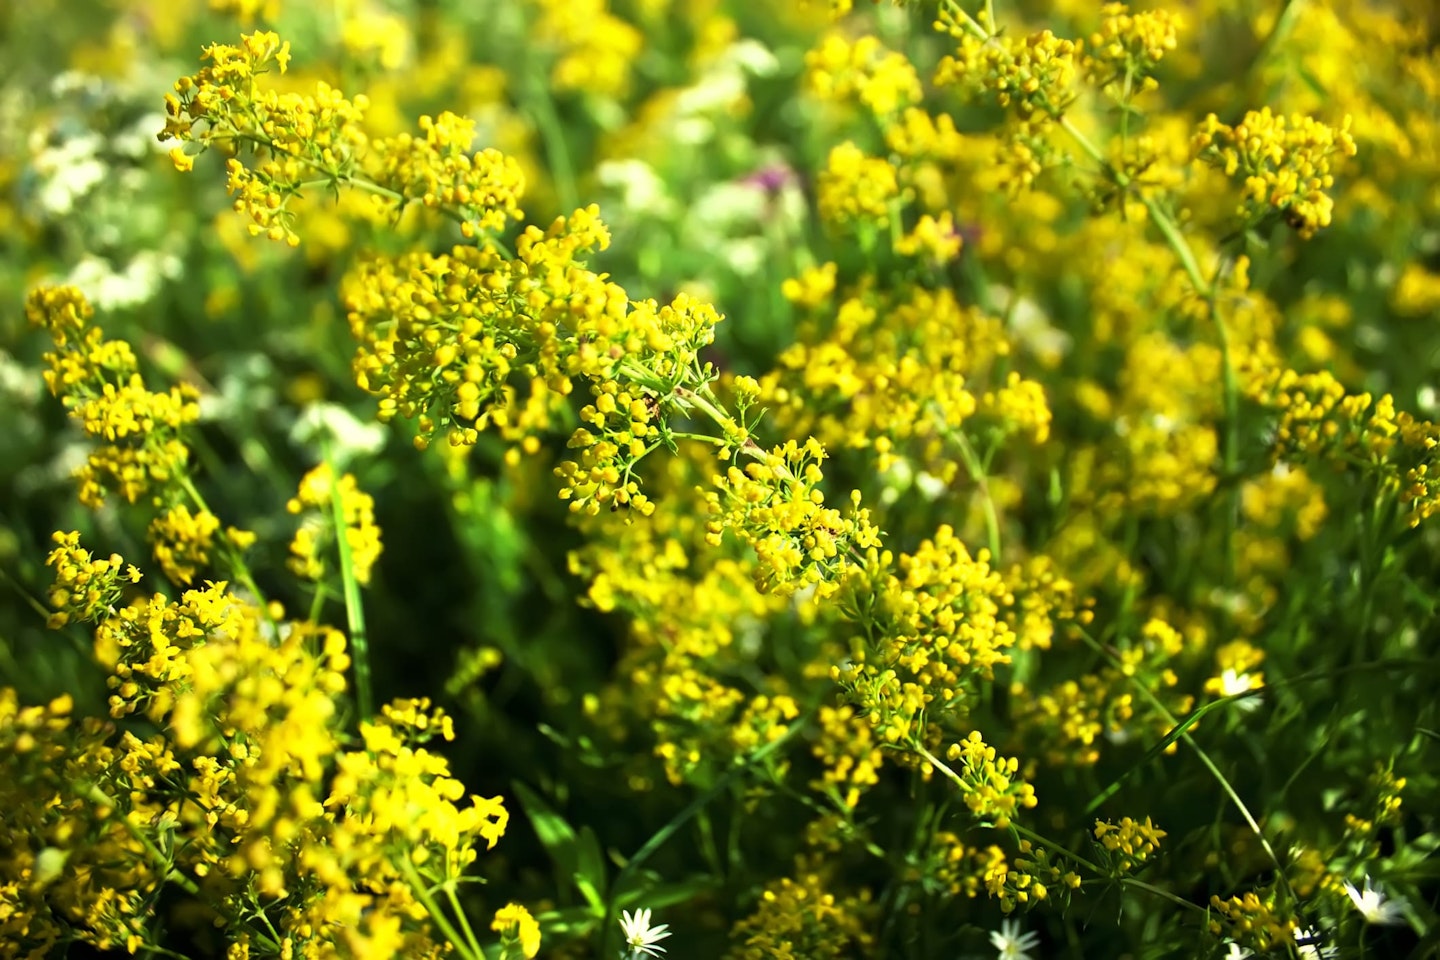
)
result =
(94, 794)
(1207, 290)
(1284, 23)
(159, 951)
(239, 569)
(354, 607)
(465, 927)
(552, 132)
(705, 405)
(663, 835)
(1036, 838)
(702, 437)
(1188, 262)
(1209, 764)
(422, 893)
(977, 476)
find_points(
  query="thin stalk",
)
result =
(159, 951)
(698, 400)
(1177, 243)
(1209, 764)
(422, 893)
(978, 476)
(1036, 838)
(354, 607)
(239, 569)
(1284, 23)
(465, 927)
(663, 835)
(552, 132)
(94, 794)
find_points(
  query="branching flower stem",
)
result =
(943, 768)
(1204, 757)
(1204, 288)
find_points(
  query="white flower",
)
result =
(640, 187)
(1232, 683)
(640, 936)
(1012, 944)
(349, 436)
(1374, 906)
(1237, 952)
(1307, 941)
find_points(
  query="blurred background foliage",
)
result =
(687, 121)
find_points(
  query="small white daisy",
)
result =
(640, 937)
(1237, 952)
(1012, 944)
(1232, 683)
(1307, 941)
(1374, 906)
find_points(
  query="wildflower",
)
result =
(1374, 906)
(1237, 952)
(1128, 844)
(1284, 163)
(1012, 944)
(1307, 942)
(640, 936)
(516, 926)
(856, 187)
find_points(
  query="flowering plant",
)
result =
(844, 479)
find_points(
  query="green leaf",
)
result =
(557, 836)
(590, 870)
(572, 921)
(576, 856)
(663, 896)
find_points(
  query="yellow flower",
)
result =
(517, 929)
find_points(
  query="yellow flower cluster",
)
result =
(315, 504)
(990, 785)
(594, 50)
(800, 918)
(1070, 717)
(692, 608)
(839, 70)
(856, 189)
(936, 239)
(482, 190)
(183, 542)
(936, 628)
(1124, 52)
(775, 505)
(85, 588)
(1035, 75)
(1236, 662)
(1320, 421)
(519, 933)
(76, 866)
(1032, 877)
(850, 753)
(299, 138)
(1383, 797)
(1284, 164)
(962, 870)
(1126, 846)
(473, 339)
(139, 451)
(900, 374)
(252, 800)
(1254, 921)
(247, 11)
(285, 817)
